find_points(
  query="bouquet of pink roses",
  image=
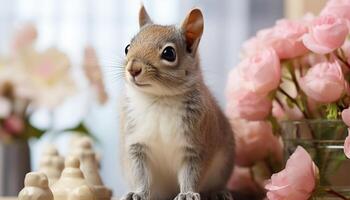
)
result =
(32, 80)
(295, 70)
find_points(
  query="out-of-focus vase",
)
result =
(14, 164)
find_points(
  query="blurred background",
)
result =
(88, 37)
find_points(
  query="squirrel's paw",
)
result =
(135, 196)
(188, 196)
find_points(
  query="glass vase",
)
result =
(324, 140)
(14, 164)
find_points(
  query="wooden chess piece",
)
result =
(90, 168)
(76, 142)
(72, 184)
(51, 164)
(82, 193)
(35, 187)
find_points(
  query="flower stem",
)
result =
(279, 102)
(287, 95)
(341, 59)
(302, 104)
(332, 192)
(291, 99)
(303, 99)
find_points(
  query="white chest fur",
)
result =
(159, 125)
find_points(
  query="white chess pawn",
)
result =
(35, 187)
(81, 193)
(83, 143)
(76, 136)
(51, 163)
(89, 166)
(72, 178)
(88, 163)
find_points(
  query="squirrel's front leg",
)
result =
(189, 175)
(138, 156)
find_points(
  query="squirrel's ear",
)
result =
(143, 17)
(192, 28)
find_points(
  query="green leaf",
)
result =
(32, 131)
(81, 129)
(332, 111)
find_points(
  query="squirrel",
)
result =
(176, 142)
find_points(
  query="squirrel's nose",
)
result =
(135, 72)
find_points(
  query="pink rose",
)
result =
(284, 38)
(297, 181)
(347, 145)
(249, 105)
(345, 114)
(251, 47)
(261, 73)
(13, 125)
(255, 142)
(326, 34)
(324, 82)
(243, 103)
(338, 8)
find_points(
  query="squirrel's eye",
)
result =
(127, 49)
(169, 54)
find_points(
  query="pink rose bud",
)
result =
(326, 34)
(297, 181)
(338, 8)
(242, 103)
(324, 82)
(347, 145)
(255, 142)
(261, 73)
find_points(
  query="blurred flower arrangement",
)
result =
(295, 70)
(32, 80)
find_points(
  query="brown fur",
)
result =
(198, 136)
